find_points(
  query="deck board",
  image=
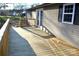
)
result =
(33, 41)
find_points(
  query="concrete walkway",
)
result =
(30, 41)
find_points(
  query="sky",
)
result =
(28, 2)
(11, 5)
(21, 1)
(37, 1)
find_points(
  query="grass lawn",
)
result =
(4, 18)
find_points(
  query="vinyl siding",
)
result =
(28, 15)
(31, 17)
(34, 18)
(34, 14)
(67, 32)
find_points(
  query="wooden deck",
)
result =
(40, 43)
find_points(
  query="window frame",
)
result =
(64, 13)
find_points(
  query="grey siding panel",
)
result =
(67, 32)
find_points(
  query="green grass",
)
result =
(4, 18)
(11, 17)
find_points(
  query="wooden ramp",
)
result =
(33, 41)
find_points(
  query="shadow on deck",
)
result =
(18, 46)
(39, 32)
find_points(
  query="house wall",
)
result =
(67, 32)
(28, 15)
(34, 14)
(34, 17)
(31, 17)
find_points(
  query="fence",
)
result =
(4, 38)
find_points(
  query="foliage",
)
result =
(4, 18)
(2, 21)
(20, 6)
(3, 5)
(11, 17)
(15, 18)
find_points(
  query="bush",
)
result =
(15, 18)
(4, 18)
(2, 21)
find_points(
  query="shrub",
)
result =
(2, 21)
(15, 18)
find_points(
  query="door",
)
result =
(39, 18)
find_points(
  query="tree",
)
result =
(20, 6)
(3, 5)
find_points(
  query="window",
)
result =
(68, 13)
